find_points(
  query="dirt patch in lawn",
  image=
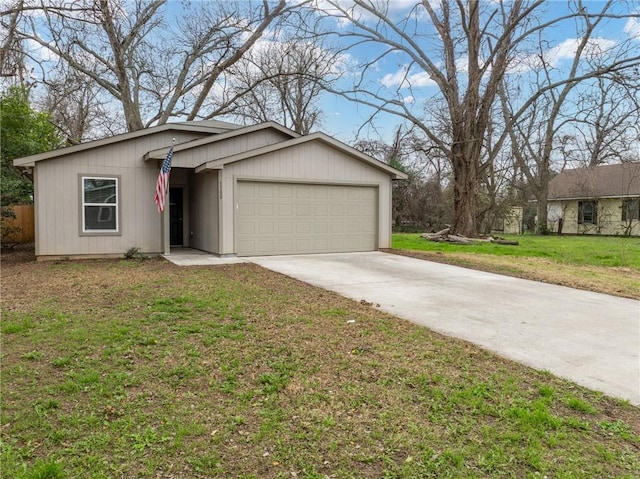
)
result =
(623, 282)
(114, 368)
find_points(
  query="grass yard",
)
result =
(609, 265)
(144, 369)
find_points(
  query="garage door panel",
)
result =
(320, 193)
(285, 191)
(355, 195)
(265, 228)
(303, 227)
(265, 209)
(248, 191)
(303, 191)
(337, 227)
(286, 244)
(321, 210)
(303, 210)
(247, 228)
(285, 228)
(320, 227)
(285, 210)
(354, 210)
(338, 194)
(303, 245)
(283, 218)
(336, 210)
(320, 244)
(352, 243)
(264, 191)
(354, 226)
(368, 227)
(247, 209)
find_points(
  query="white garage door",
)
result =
(287, 218)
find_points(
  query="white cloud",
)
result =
(462, 64)
(345, 11)
(565, 51)
(40, 52)
(409, 99)
(403, 79)
(632, 28)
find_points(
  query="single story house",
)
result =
(596, 200)
(256, 190)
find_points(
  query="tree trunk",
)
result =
(542, 193)
(132, 115)
(464, 196)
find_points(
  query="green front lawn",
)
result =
(585, 250)
(143, 369)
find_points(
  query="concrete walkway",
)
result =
(590, 338)
(194, 257)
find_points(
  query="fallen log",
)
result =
(437, 235)
(505, 242)
(459, 239)
(445, 236)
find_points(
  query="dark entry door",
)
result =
(175, 217)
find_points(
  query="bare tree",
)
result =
(420, 202)
(155, 65)
(541, 123)
(12, 54)
(78, 107)
(607, 127)
(463, 49)
(283, 81)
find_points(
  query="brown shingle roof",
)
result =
(596, 182)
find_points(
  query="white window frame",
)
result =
(89, 232)
(629, 214)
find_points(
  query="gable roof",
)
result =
(314, 137)
(161, 153)
(209, 126)
(606, 181)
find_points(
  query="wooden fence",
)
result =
(25, 221)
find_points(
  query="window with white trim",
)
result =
(100, 205)
(588, 212)
(631, 209)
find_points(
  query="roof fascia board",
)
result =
(31, 160)
(203, 168)
(217, 164)
(594, 197)
(160, 153)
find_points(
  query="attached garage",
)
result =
(308, 194)
(296, 218)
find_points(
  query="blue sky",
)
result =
(343, 119)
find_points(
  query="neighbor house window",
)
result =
(587, 212)
(631, 209)
(100, 204)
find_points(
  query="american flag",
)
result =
(163, 181)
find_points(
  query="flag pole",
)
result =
(165, 230)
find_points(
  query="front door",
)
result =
(175, 217)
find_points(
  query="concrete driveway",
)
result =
(590, 338)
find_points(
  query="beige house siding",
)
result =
(204, 212)
(310, 162)
(56, 189)
(208, 172)
(609, 218)
(193, 157)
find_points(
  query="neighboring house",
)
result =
(596, 200)
(234, 190)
